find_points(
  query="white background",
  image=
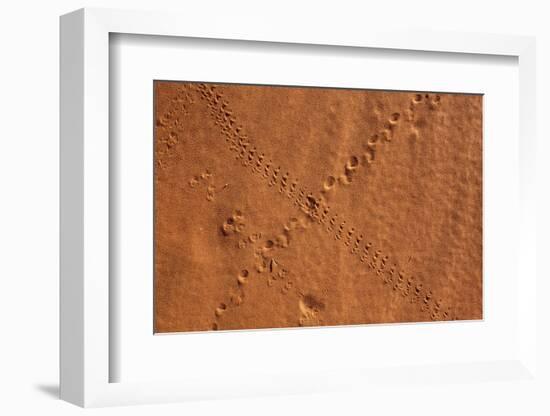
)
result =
(29, 210)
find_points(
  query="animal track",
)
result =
(220, 310)
(310, 308)
(354, 162)
(236, 298)
(316, 209)
(242, 278)
(205, 179)
(329, 183)
(168, 124)
(263, 251)
(422, 102)
(234, 224)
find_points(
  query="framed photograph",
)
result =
(277, 210)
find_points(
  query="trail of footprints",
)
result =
(205, 179)
(367, 157)
(264, 250)
(317, 209)
(384, 135)
(169, 122)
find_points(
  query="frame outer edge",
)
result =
(528, 207)
(71, 220)
(84, 181)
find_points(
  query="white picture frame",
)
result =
(85, 355)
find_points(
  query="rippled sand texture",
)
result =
(286, 207)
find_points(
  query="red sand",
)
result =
(286, 206)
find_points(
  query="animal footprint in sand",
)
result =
(419, 104)
(206, 179)
(236, 299)
(242, 277)
(329, 183)
(251, 239)
(220, 310)
(310, 308)
(234, 224)
(430, 100)
(287, 286)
